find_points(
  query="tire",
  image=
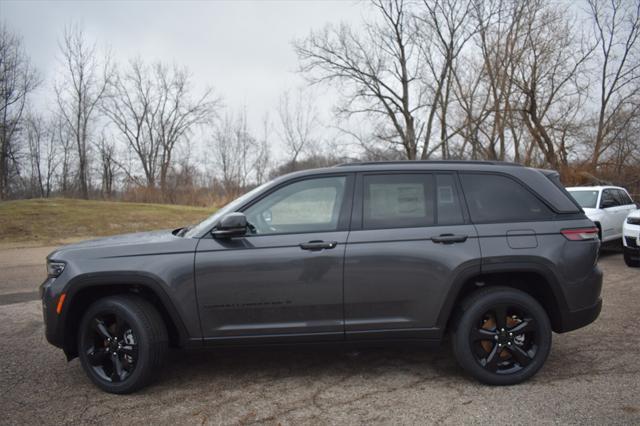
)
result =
(633, 263)
(125, 330)
(497, 357)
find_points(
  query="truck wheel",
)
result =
(502, 337)
(122, 341)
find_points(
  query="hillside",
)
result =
(57, 220)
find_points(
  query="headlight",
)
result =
(54, 269)
(633, 220)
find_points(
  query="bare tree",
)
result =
(377, 72)
(444, 28)
(263, 160)
(42, 155)
(549, 76)
(84, 83)
(17, 80)
(153, 110)
(108, 164)
(617, 27)
(236, 153)
(298, 119)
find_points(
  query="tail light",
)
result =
(580, 234)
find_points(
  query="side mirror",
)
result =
(231, 225)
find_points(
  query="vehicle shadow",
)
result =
(250, 365)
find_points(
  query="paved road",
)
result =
(592, 375)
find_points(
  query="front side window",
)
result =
(398, 201)
(623, 197)
(310, 205)
(608, 199)
(494, 198)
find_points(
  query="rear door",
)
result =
(410, 237)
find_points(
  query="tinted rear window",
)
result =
(495, 198)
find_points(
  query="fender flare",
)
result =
(148, 281)
(530, 265)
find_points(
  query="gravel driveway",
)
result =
(592, 375)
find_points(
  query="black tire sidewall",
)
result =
(125, 309)
(480, 305)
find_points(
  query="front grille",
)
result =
(631, 242)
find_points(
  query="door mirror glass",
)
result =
(231, 225)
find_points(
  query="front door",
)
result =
(283, 280)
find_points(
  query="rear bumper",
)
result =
(572, 320)
(584, 303)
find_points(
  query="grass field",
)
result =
(58, 220)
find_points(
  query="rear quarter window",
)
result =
(495, 198)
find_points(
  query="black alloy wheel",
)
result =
(505, 339)
(122, 342)
(111, 347)
(502, 336)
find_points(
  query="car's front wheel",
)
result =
(122, 341)
(629, 259)
(502, 337)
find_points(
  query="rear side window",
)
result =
(494, 198)
(398, 201)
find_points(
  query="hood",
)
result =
(634, 213)
(118, 242)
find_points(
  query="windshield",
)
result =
(586, 199)
(208, 223)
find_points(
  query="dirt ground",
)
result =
(591, 377)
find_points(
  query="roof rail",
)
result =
(382, 163)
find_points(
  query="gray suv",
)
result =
(494, 255)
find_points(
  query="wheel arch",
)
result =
(532, 278)
(86, 289)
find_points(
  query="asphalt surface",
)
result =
(591, 377)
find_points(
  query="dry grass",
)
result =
(56, 220)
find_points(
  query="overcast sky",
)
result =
(240, 48)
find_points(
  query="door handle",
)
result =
(317, 245)
(449, 239)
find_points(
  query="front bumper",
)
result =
(632, 253)
(49, 298)
(584, 303)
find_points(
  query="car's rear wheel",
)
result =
(122, 341)
(629, 260)
(502, 337)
